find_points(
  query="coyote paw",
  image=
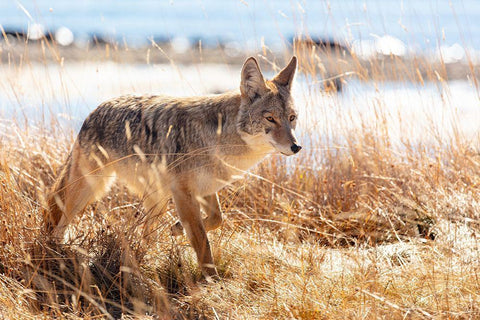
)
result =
(212, 279)
(210, 274)
(177, 229)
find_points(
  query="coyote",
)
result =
(182, 148)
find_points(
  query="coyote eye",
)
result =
(270, 119)
(293, 117)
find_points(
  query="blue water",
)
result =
(420, 24)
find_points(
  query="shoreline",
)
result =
(332, 63)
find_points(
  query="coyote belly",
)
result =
(182, 148)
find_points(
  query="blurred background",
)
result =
(93, 50)
(401, 27)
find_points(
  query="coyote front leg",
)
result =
(188, 210)
(211, 206)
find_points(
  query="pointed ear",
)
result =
(252, 84)
(285, 77)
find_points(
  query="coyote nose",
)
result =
(295, 148)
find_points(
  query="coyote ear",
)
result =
(285, 77)
(252, 84)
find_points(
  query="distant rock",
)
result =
(325, 44)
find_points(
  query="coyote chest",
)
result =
(229, 169)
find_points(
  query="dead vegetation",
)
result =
(351, 228)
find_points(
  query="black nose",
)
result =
(295, 148)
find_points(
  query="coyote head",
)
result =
(267, 116)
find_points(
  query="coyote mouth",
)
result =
(275, 147)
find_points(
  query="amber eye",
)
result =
(293, 117)
(270, 119)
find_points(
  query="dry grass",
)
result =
(355, 227)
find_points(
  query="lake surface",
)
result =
(421, 25)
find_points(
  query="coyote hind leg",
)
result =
(83, 182)
(214, 212)
(155, 203)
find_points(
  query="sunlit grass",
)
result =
(364, 223)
